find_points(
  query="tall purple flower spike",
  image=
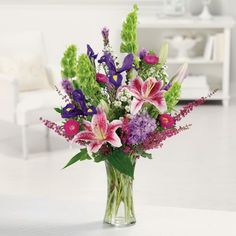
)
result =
(105, 35)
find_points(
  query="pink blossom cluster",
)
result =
(189, 107)
(156, 138)
(59, 129)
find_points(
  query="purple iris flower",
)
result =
(114, 74)
(91, 110)
(78, 95)
(91, 53)
(70, 111)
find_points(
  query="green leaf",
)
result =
(98, 158)
(146, 155)
(81, 156)
(121, 161)
(57, 109)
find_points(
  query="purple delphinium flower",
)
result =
(142, 53)
(140, 127)
(114, 74)
(67, 86)
(105, 35)
(90, 53)
(70, 111)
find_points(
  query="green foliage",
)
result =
(152, 111)
(145, 70)
(121, 161)
(98, 157)
(81, 156)
(57, 109)
(144, 154)
(129, 33)
(69, 62)
(87, 79)
(75, 84)
(172, 96)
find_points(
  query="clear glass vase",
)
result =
(119, 208)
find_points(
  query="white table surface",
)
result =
(21, 216)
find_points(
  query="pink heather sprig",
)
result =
(156, 138)
(64, 97)
(59, 129)
(185, 110)
(125, 131)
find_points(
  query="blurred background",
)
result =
(194, 170)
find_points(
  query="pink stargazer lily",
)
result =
(100, 131)
(149, 91)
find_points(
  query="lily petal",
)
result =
(136, 105)
(159, 101)
(99, 124)
(151, 86)
(87, 125)
(85, 135)
(114, 140)
(94, 146)
(135, 87)
(114, 125)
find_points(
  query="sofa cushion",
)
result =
(22, 55)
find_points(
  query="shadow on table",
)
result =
(95, 228)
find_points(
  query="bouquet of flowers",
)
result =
(117, 111)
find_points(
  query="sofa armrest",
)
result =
(8, 97)
(54, 76)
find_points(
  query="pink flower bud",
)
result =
(101, 78)
(71, 127)
(151, 59)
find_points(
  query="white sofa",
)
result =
(26, 82)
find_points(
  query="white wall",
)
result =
(80, 23)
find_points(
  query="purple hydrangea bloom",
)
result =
(140, 127)
(67, 86)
